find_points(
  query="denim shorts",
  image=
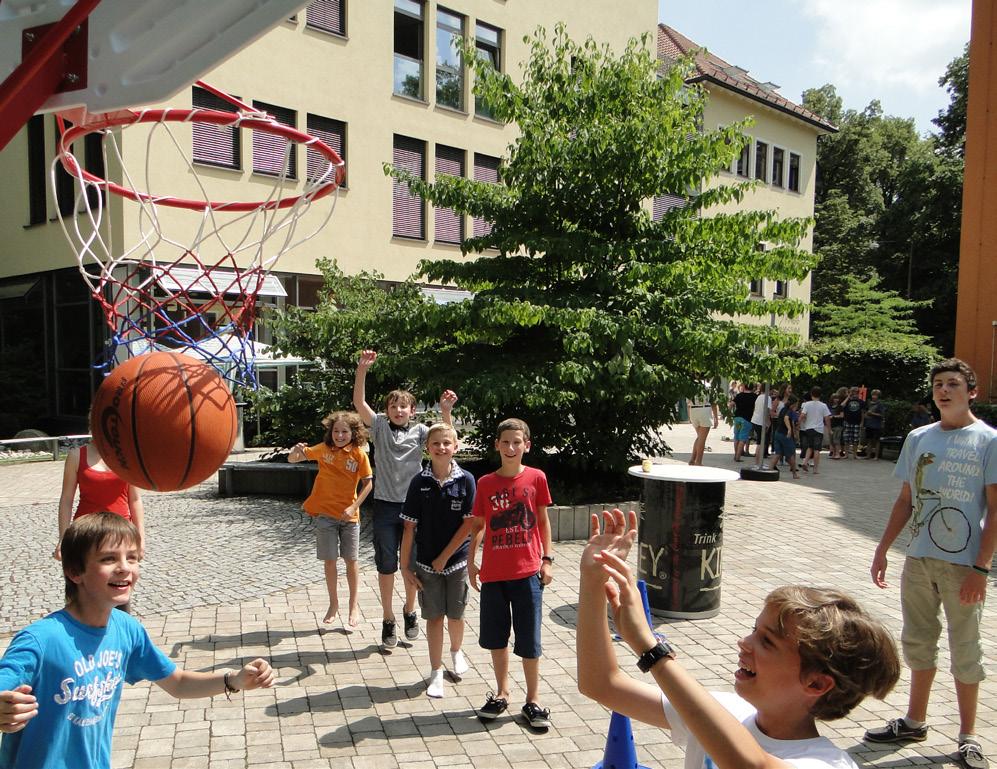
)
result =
(515, 604)
(388, 528)
(784, 445)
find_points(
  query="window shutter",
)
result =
(215, 145)
(485, 170)
(665, 203)
(449, 224)
(269, 150)
(327, 15)
(408, 212)
(333, 133)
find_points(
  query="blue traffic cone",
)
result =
(642, 589)
(620, 751)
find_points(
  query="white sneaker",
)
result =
(435, 686)
(460, 666)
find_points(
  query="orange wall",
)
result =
(976, 315)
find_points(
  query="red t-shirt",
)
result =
(512, 543)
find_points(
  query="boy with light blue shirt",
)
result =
(949, 502)
(61, 677)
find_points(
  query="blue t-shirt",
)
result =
(948, 472)
(76, 673)
(438, 510)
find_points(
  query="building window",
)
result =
(761, 161)
(449, 70)
(743, 163)
(485, 170)
(333, 133)
(408, 48)
(449, 225)
(755, 288)
(271, 152)
(37, 166)
(665, 203)
(215, 145)
(794, 172)
(327, 15)
(408, 213)
(488, 42)
(781, 289)
(778, 163)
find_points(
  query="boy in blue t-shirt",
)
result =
(949, 502)
(61, 677)
(439, 500)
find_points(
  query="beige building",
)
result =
(781, 154)
(377, 80)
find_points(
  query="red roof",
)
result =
(712, 69)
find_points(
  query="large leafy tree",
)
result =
(590, 319)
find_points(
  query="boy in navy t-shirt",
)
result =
(439, 500)
(61, 677)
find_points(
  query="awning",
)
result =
(224, 281)
(446, 295)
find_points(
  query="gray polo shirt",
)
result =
(397, 457)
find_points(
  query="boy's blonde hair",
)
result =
(838, 638)
(441, 427)
(86, 534)
(400, 395)
(357, 427)
(513, 424)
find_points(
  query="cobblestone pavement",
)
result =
(229, 579)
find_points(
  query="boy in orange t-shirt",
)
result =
(334, 503)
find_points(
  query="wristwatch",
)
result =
(655, 654)
(548, 558)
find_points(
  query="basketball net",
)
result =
(190, 275)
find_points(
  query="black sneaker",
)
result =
(493, 707)
(536, 716)
(411, 625)
(388, 638)
(971, 755)
(896, 730)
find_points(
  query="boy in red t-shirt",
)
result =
(510, 515)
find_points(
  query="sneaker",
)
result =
(435, 686)
(493, 707)
(896, 730)
(411, 625)
(388, 637)
(460, 666)
(536, 716)
(971, 755)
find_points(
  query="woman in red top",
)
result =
(100, 490)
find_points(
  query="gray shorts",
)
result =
(442, 593)
(336, 538)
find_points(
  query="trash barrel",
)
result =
(680, 538)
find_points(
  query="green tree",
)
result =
(589, 319)
(952, 120)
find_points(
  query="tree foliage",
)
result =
(589, 319)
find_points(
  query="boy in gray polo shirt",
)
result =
(398, 444)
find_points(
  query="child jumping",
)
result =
(334, 503)
(61, 677)
(438, 502)
(510, 514)
(813, 654)
(398, 444)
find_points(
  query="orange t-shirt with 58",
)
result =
(339, 472)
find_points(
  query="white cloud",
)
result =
(903, 44)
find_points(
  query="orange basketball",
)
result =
(163, 421)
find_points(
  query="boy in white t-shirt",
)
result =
(815, 423)
(813, 654)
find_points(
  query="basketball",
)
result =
(163, 421)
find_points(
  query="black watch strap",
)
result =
(661, 650)
(548, 558)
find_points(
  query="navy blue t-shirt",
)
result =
(438, 511)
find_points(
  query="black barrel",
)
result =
(680, 547)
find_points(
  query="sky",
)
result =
(891, 50)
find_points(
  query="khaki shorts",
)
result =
(336, 538)
(927, 585)
(701, 416)
(443, 594)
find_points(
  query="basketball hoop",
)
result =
(150, 296)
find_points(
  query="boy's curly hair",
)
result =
(357, 427)
(837, 637)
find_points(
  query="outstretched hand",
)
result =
(17, 707)
(256, 675)
(618, 534)
(447, 400)
(367, 358)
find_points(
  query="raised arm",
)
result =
(189, 684)
(447, 401)
(367, 358)
(65, 516)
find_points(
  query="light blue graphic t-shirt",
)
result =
(948, 472)
(76, 672)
